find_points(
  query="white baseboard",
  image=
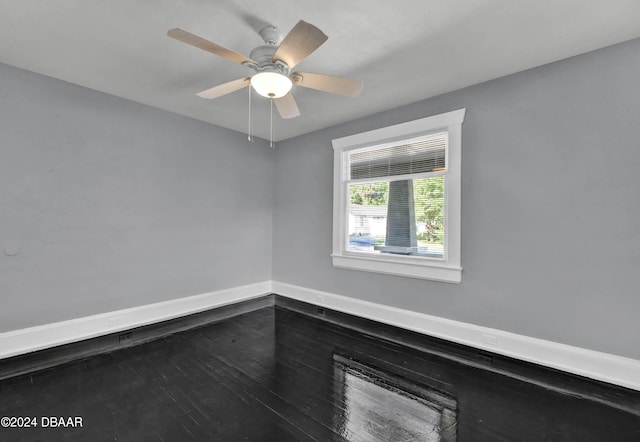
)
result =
(605, 367)
(30, 339)
(592, 364)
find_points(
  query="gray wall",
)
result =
(113, 204)
(550, 223)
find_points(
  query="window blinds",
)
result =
(424, 155)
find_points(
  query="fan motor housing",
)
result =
(263, 56)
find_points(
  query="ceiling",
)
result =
(404, 51)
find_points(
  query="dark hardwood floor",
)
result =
(278, 375)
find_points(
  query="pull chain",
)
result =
(271, 124)
(249, 130)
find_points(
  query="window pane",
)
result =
(367, 215)
(429, 212)
(416, 214)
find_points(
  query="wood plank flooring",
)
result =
(278, 375)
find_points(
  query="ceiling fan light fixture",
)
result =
(271, 84)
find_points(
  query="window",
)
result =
(397, 199)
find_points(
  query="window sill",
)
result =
(418, 268)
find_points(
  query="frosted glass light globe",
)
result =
(271, 84)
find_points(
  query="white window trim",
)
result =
(448, 270)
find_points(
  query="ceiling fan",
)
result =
(272, 63)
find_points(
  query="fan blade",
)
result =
(299, 43)
(328, 83)
(224, 89)
(287, 107)
(209, 46)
